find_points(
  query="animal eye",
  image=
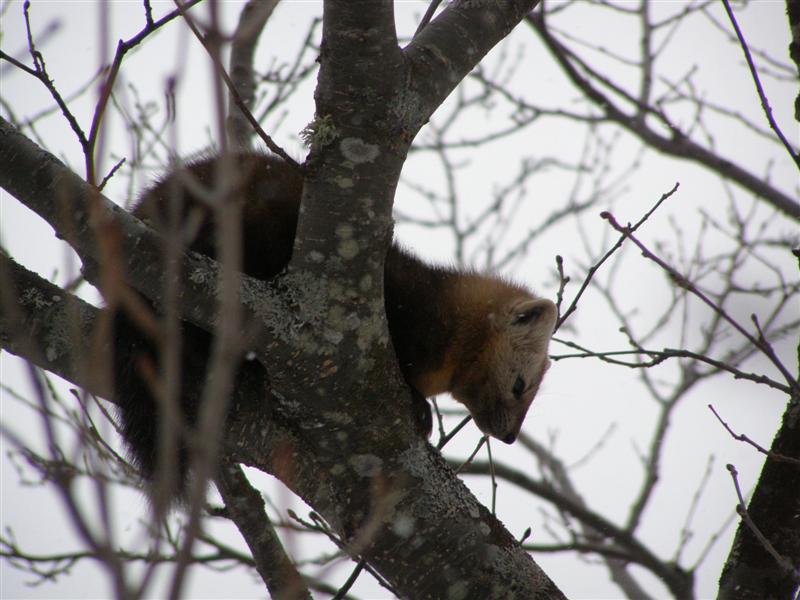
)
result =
(528, 316)
(519, 387)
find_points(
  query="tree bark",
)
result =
(751, 571)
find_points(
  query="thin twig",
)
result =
(320, 526)
(683, 282)
(484, 439)
(445, 439)
(595, 267)
(234, 93)
(428, 16)
(342, 593)
(41, 73)
(757, 81)
(743, 438)
(492, 477)
(660, 356)
(741, 508)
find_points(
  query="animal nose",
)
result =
(510, 437)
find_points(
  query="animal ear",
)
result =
(529, 312)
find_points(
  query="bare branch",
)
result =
(683, 282)
(31, 311)
(757, 81)
(741, 508)
(677, 144)
(765, 532)
(252, 20)
(743, 438)
(231, 86)
(678, 581)
(245, 507)
(450, 46)
(594, 268)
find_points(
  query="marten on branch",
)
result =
(479, 337)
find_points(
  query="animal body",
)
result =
(477, 336)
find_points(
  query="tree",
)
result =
(404, 477)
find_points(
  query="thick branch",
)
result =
(448, 48)
(110, 241)
(677, 580)
(245, 507)
(49, 327)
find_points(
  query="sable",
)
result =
(477, 336)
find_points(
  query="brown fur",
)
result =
(479, 337)
(490, 350)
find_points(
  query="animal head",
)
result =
(499, 382)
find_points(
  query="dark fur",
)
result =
(423, 306)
